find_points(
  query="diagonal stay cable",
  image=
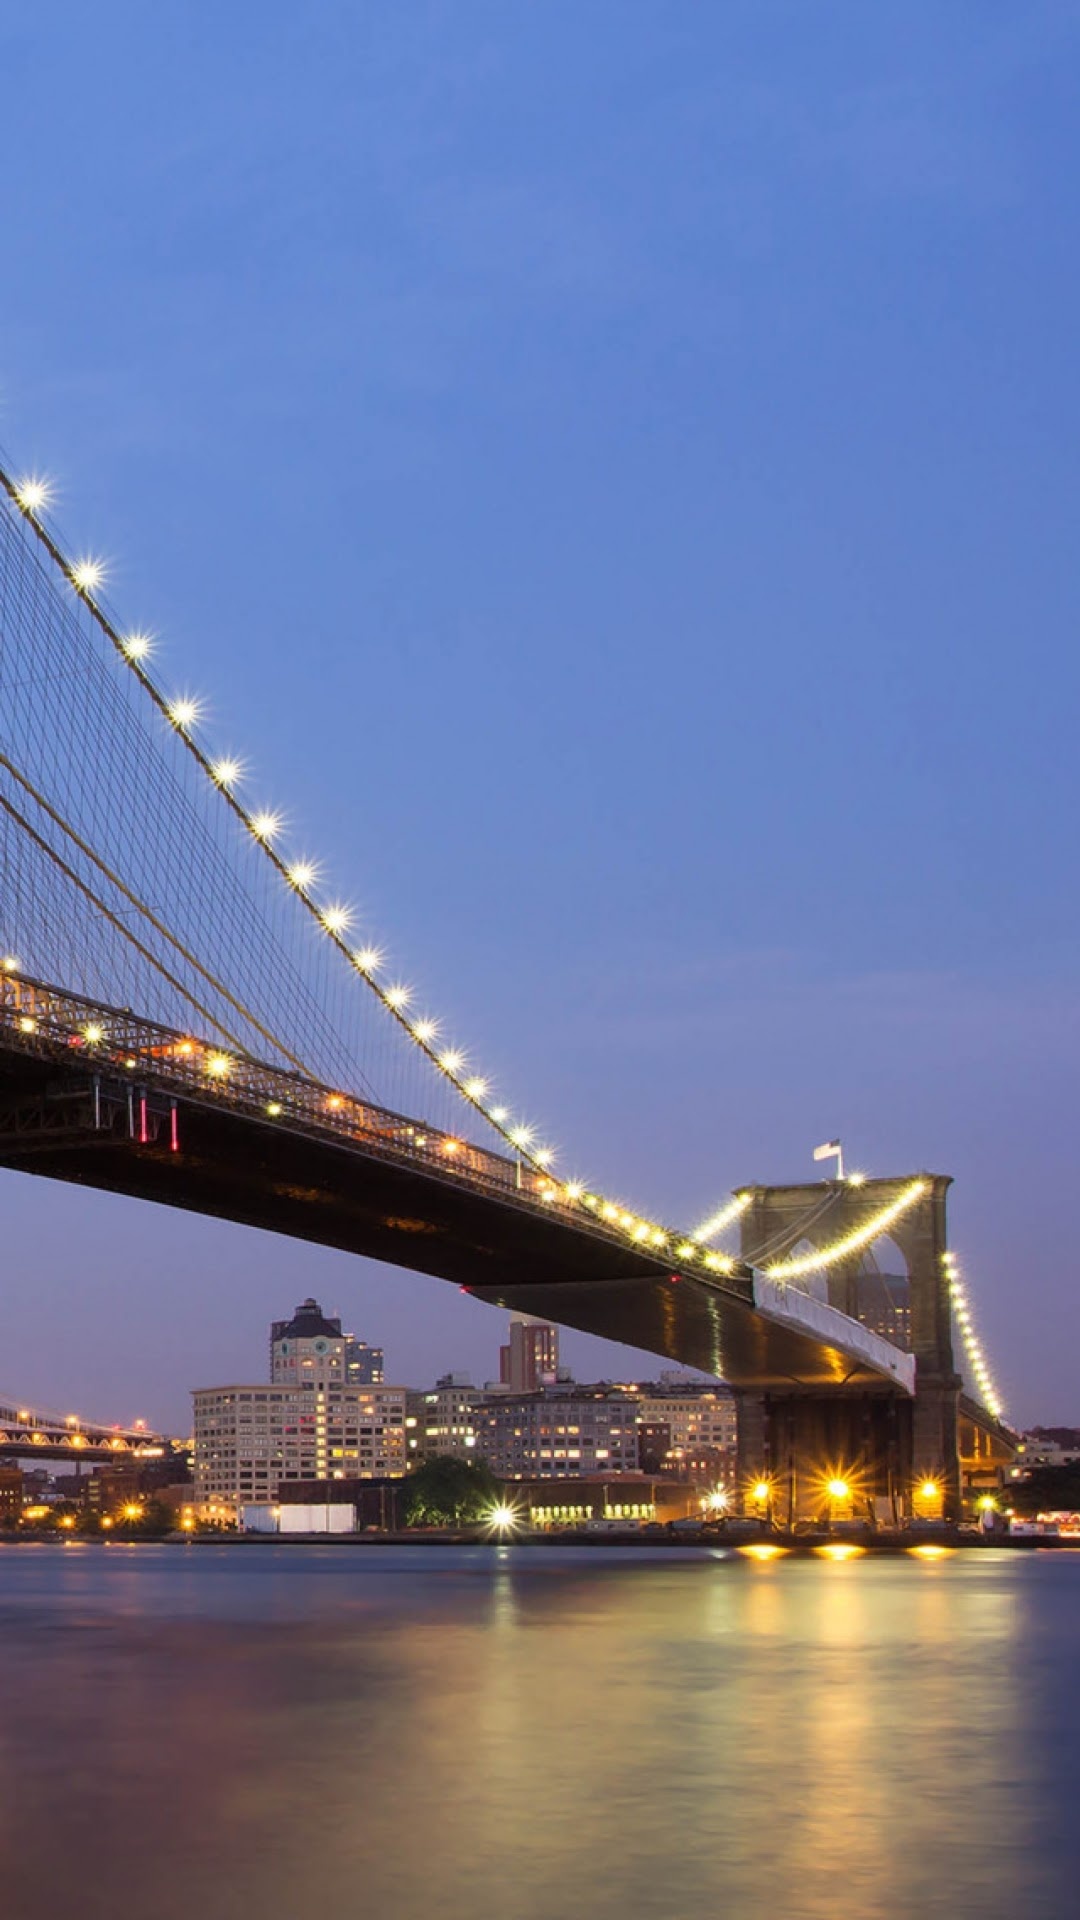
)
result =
(158, 925)
(98, 613)
(113, 919)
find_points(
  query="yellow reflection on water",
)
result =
(762, 1550)
(840, 1550)
(930, 1552)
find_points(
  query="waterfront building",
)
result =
(530, 1358)
(558, 1432)
(11, 1496)
(687, 1427)
(249, 1439)
(627, 1499)
(308, 1423)
(443, 1418)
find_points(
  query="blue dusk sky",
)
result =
(613, 469)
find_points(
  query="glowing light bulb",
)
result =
(544, 1156)
(521, 1136)
(184, 712)
(266, 824)
(574, 1190)
(398, 996)
(368, 959)
(273, 1108)
(500, 1115)
(303, 874)
(426, 1031)
(88, 574)
(338, 918)
(9, 963)
(228, 772)
(93, 1035)
(452, 1061)
(34, 494)
(218, 1065)
(856, 1179)
(476, 1088)
(137, 645)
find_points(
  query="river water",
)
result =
(229, 1732)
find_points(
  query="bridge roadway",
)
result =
(93, 1095)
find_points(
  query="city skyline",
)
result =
(756, 714)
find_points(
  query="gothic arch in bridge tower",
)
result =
(785, 1223)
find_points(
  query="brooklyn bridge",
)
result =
(187, 1017)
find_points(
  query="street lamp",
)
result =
(503, 1518)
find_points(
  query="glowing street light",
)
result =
(503, 1518)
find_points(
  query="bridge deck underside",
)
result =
(514, 1256)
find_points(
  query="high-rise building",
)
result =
(530, 1358)
(310, 1423)
(363, 1364)
(310, 1345)
(313, 1338)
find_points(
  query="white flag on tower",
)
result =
(832, 1150)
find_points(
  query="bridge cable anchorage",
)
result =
(32, 498)
(964, 1320)
(182, 715)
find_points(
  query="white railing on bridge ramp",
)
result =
(779, 1301)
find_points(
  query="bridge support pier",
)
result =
(882, 1448)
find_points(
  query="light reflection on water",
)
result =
(206, 1733)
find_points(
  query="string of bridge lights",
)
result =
(303, 876)
(87, 575)
(961, 1309)
(724, 1218)
(34, 496)
(872, 1229)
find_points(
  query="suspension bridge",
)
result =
(189, 1017)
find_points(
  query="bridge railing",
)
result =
(45, 1021)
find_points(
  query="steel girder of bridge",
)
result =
(92, 1095)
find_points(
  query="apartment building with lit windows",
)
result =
(557, 1433)
(307, 1423)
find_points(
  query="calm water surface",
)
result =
(216, 1732)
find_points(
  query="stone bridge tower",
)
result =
(791, 1436)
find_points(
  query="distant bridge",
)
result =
(27, 1433)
